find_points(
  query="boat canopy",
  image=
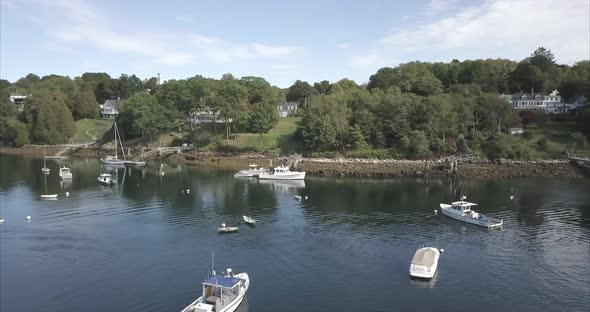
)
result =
(424, 256)
(223, 281)
(463, 204)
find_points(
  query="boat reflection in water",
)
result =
(287, 186)
(424, 283)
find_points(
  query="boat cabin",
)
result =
(220, 290)
(281, 169)
(462, 207)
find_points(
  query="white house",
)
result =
(207, 116)
(19, 101)
(550, 103)
(287, 109)
(110, 108)
(516, 131)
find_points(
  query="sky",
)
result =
(282, 41)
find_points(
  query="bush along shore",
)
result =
(348, 167)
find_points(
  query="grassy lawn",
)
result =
(558, 136)
(279, 139)
(96, 127)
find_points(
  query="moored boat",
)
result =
(105, 179)
(252, 171)
(114, 160)
(424, 263)
(461, 210)
(227, 229)
(49, 196)
(282, 173)
(249, 220)
(221, 293)
(45, 170)
(65, 173)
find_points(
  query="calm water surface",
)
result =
(144, 245)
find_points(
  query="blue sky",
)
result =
(281, 41)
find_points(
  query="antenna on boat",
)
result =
(213, 263)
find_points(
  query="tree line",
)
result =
(416, 109)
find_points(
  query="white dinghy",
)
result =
(252, 171)
(227, 229)
(249, 220)
(425, 262)
(221, 293)
(461, 210)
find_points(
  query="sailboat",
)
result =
(114, 160)
(45, 170)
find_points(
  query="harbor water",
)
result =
(146, 243)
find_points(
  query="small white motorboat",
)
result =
(461, 210)
(1, 221)
(221, 293)
(227, 229)
(252, 171)
(282, 173)
(424, 263)
(65, 173)
(106, 179)
(249, 220)
(49, 196)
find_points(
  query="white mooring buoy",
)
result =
(28, 218)
(188, 191)
(435, 211)
(442, 250)
(306, 197)
(511, 197)
(67, 194)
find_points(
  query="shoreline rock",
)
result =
(352, 167)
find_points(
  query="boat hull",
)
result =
(66, 176)
(487, 222)
(425, 271)
(113, 162)
(286, 176)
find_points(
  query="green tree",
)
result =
(87, 106)
(357, 139)
(49, 118)
(14, 131)
(299, 91)
(263, 118)
(419, 144)
(259, 90)
(141, 114)
(127, 85)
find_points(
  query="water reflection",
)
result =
(286, 186)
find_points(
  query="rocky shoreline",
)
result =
(475, 168)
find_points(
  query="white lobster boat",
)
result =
(282, 173)
(221, 293)
(252, 171)
(65, 173)
(461, 210)
(106, 179)
(424, 263)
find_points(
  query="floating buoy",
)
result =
(442, 250)
(435, 211)
(67, 194)
(511, 197)
(28, 218)
(188, 191)
(306, 197)
(297, 197)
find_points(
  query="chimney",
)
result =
(531, 91)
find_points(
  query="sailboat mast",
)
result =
(44, 164)
(116, 147)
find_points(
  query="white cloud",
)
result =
(501, 28)
(80, 24)
(273, 51)
(436, 7)
(343, 45)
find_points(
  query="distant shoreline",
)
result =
(474, 169)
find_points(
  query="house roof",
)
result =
(518, 96)
(112, 103)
